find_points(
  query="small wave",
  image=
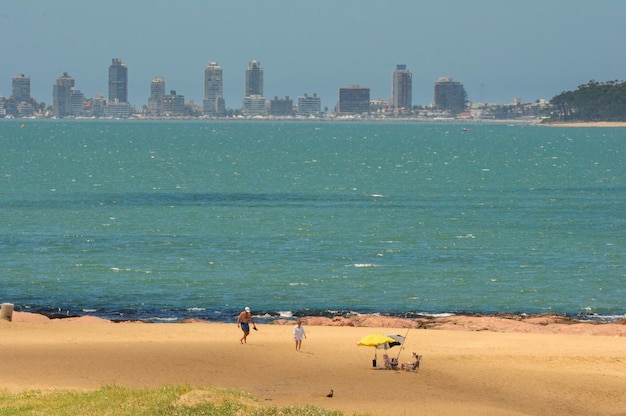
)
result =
(119, 269)
(600, 318)
(365, 265)
(163, 319)
(437, 315)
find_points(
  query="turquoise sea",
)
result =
(166, 220)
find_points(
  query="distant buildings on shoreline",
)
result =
(354, 101)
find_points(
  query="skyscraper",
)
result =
(402, 90)
(309, 106)
(118, 81)
(77, 102)
(213, 103)
(281, 106)
(157, 92)
(62, 96)
(253, 102)
(450, 95)
(174, 104)
(354, 100)
(254, 79)
(20, 88)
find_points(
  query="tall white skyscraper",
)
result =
(402, 90)
(157, 92)
(213, 103)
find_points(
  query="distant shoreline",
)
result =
(587, 124)
(533, 122)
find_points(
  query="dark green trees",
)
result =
(594, 101)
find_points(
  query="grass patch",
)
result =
(165, 401)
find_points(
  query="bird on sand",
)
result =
(331, 393)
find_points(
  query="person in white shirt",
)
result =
(298, 334)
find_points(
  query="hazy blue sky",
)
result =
(531, 49)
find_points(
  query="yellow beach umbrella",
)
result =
(374, 340)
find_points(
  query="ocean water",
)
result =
(163, 221)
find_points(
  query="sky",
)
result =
(498, 49)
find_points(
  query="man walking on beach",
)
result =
(243, 321)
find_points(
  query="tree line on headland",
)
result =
(593, 101)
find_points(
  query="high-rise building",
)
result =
(20, 88)
(254, 102)
(281, 106)
(98, 106)
(77, 102)
(450, 95)
(309, 106)
(254, 79)
(25, 109)
(174, 104)
(402, 89)
(118, 81)
(157, 92)
(254, 105)
(213, 103)
(353, 100)
(62, 96)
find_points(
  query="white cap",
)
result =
(246, 309)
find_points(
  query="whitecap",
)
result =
(169, 319)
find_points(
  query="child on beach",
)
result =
(298, 334)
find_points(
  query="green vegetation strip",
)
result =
(173, 400)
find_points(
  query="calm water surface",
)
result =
(168, 220)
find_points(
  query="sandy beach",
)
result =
(471, 365)
(587, 124)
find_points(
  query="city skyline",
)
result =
(499, 51)
(69, 101)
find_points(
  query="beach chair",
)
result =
(414, 366)
(390, 364)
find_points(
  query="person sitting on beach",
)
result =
(243, 321)
(411, 366)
